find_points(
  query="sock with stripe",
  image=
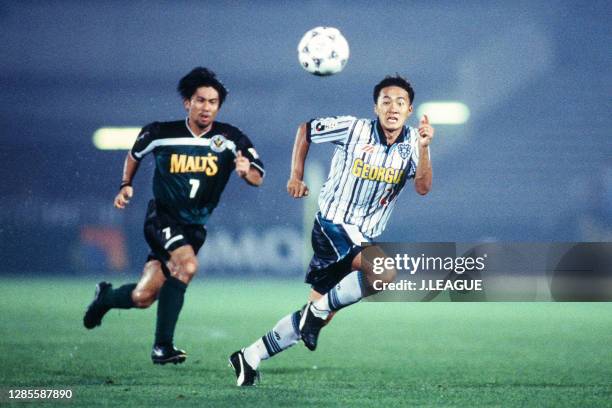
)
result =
(285, 334)
(120, 298)
(345, 293)
(169, 305)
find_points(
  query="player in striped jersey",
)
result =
(194, 159)
(372, 162)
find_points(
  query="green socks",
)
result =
(120, 298)
(170, 303)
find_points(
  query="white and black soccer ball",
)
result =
(323, 51)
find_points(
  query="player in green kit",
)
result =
(194, 159)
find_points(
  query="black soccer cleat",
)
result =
(96, 310)
(164, 354)
(310, 326)
(245, 374)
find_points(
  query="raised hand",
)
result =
(242, 164)
(426, 131)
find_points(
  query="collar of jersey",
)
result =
(191, 131)
(381, 134)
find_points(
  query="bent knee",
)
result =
(186, 269)
(143, 298)
(190, 266)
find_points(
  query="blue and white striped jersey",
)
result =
(366, 175)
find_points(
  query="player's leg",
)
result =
(176, 246)
(351, 289)
(147, 290)
(313, 297)
(283, 335)
(140, 295)
(286, 332)
(180, 270)
(182, 267)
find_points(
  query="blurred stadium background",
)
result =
(532, 162)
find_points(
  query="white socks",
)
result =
(345, 293)
(285, 334)
(255, 353)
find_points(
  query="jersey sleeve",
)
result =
(248, 150)
(144, 142)
(335, 129)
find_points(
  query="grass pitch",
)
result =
(373, 354)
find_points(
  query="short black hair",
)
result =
(199, 77)
(396, 80)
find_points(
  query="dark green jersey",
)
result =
(190, 171)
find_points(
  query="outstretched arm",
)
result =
(130, 167)
(423, 176)
(296, 186)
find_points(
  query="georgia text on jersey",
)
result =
(366, 174)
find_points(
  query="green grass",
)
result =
(373, 354)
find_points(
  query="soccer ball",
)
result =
(323, 51)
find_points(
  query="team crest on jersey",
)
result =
(218, 143)
(403, 150)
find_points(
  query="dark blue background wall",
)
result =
(534, 161)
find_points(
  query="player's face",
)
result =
(203, 107)
(393, 108)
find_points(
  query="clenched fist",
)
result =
(297, 188)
